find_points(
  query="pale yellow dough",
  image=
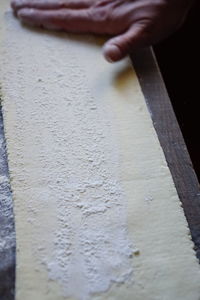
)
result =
(96, 211)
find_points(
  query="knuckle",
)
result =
(149, 31)
(99, 15)
(146, 23)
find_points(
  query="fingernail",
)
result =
(28, 17)
(21, 13)
(112, 53)
(25, 13)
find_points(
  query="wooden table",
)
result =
(172, 143)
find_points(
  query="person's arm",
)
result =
(131, 23)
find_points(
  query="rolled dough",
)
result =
(96, 211)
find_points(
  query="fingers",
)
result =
(69, 20)
(50, 14)
(118, 47)
(50, 4)
(61, 19)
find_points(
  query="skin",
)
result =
(131, 24)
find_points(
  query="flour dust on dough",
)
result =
(95, 204)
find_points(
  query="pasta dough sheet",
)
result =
(96, 211)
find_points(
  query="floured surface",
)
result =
(89, 179)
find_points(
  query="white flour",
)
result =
(78, 171)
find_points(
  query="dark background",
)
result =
(178, 59)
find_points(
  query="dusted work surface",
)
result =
(97, 215)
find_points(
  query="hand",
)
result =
(133, 23)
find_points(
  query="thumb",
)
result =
(118, 47)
